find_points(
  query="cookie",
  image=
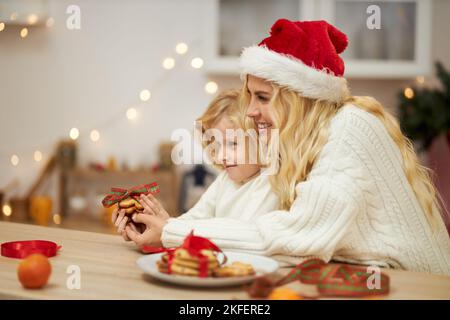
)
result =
(127, 203)
(184, 255)
(185, 271)
(195, 264)
(236, 269)
(130, 210)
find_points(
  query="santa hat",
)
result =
(303, 56)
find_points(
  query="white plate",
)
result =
(261, 264)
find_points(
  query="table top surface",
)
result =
(109, 271)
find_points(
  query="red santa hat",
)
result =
(303, 56)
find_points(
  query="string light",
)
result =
(13, 16)
(7, 210)
(420, 79)
(15, 160)
(74, 133)
(2, 26)
(131, 113)
(24, 32)
(50, 22)
(197, 63)
(409, 93)
(57, 218)
(37, 156)
(168, 63)
(145, 95)
(181, 48)
(32, 19)
(211, 87)
(95, 135)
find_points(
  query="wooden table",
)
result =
(109, 271)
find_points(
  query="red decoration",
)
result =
(315, 43)
(194, 245)
(119, 194)
(332, 280)
(22, 249)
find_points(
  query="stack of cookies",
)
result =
(187, 265)
(131, 206)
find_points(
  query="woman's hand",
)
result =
(153, 207)
(153, 230)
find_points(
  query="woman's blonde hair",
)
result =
(303, 125)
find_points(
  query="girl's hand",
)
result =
(153, 230)
(153, 207)
(120, 220)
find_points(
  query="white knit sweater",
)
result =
(356, 206)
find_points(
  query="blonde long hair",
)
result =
(298, 117)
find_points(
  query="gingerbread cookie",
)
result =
(236, 269)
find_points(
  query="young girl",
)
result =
(239, 192)
(349, 183)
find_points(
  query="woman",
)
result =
(349, 183)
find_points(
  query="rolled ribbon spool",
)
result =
(22, 249)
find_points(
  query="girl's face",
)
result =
(261, 92)
(227, 155)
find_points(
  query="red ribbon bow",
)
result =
(22, 249)
(119, 194)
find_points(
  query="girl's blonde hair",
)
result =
(226, 104)
(303, 125)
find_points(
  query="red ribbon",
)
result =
(119, 194)
(333, 280)
(194, 245)
(22, 249)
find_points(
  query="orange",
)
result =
(284, 294)
(34, 271)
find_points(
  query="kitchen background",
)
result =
(91, 91)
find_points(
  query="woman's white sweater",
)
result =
(356, 206)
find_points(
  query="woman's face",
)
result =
(261, 92)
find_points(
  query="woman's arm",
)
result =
(325, 207)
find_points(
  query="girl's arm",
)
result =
(205, 207)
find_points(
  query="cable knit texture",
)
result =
(356, 206)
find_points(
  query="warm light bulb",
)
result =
(13, 16)
(95, 135)
(57, 219)
(7, 210)
(32, 19)
(145, 95)
(197, 63)
(181, 48)
(2, 26)
(50, 22)
(24, 32)
(37, 156)
(74, 133)
(420, 79)
(131, 113)
(168, 63)
(211, 87)
(15, 160)
(409, 93)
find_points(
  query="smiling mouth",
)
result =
(263, 125)
(230, 166)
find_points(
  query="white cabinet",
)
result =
(399, 48)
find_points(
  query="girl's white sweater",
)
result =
(356, 206)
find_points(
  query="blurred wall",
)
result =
(56, 79)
